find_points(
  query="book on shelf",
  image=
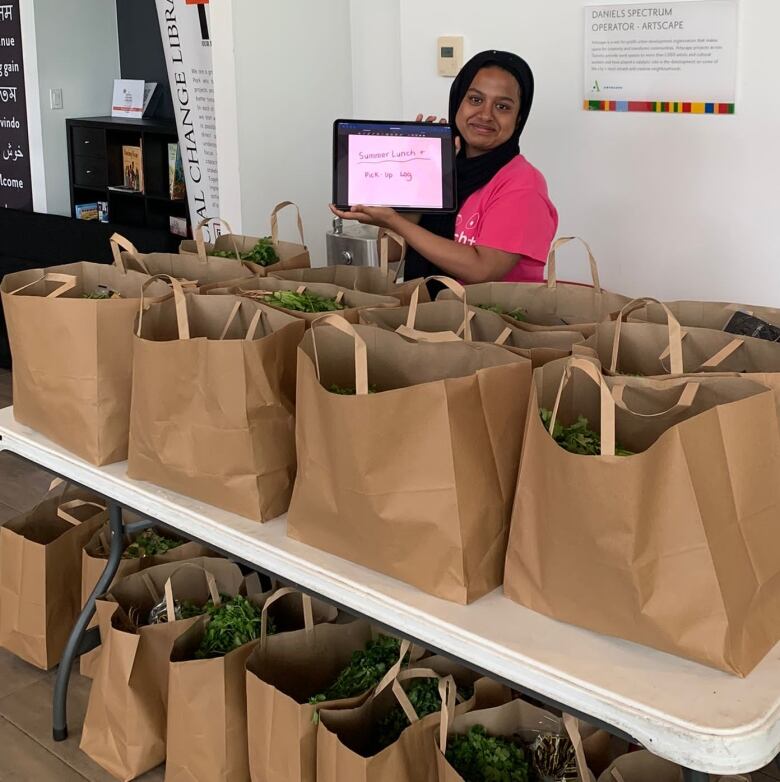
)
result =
(102, 208)
(176, 187)
(133, 167)
(87, 211)
(179, 226)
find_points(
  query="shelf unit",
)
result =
(95, 165)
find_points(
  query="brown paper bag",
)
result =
(40, 572)
(207, 699)
(675, 547)
(125, 725)
(381, 280)
(704, 314)
(552, 304)
(213, 409)
(281, 676)
(424, 490)
(72, 356)
(516, 719)
(353, 301)
(651, 349)
(345, 737)
(643, 766)
(292, 255)
(198, 270)
(445, 321)
(93, 563)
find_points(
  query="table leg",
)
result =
(695, 776)
(73, 646)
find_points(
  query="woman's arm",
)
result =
(471, 264)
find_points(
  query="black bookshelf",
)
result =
(95, 165)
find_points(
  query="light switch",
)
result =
(55, 99)
(450, 55)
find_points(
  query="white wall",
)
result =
(674, 205)
(293, 76)
(77, 51)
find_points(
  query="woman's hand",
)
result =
(380, 216)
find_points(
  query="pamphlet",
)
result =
(128, 99)
(179, 226)
(86, 211)
(176, 187)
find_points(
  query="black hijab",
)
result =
(474, 173)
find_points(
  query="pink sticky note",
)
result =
(395, 171)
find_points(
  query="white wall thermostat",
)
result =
(450, 55)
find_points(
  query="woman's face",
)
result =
(489, 113)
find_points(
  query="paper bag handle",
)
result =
(607, 402)
(211, 582)
(200, 243)
(715, 361)
(572, 727)
(675, 334)
(62, 510)
(456, 288)
(403, 698)
(308, 612)
(503, 336)
(361, 354)
(686, 399)
(180, 300)
(617, 776)
(552, 263)
(394, 669)
(383, 237)
(251, 331)
(275, 221)
(68, 283)
(119, 243)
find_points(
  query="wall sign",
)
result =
(678, 57)
(184, 25)
(15, 179)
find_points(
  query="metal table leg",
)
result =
(74, 645)
(695, 776)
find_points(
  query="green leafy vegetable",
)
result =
(478, 757)
(345, 391)
(232, 624)
(578, 437)
(148, 544)
(100, 294)
(517, 314)
(364, 670)
(263, 253)
(301, 302)
(424, 697)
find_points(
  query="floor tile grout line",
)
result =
(43, 746)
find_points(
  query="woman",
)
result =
(505, 221)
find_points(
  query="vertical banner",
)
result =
(15, 179)
(184, 26)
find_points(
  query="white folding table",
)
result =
(703, 719)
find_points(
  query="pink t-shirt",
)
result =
(513, 212)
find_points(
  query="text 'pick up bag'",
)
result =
(73, 355)
(207, 699)
(199, 270)
(380, 281)
(416, 480)
(447, 321)
(552, 304)
(291, 255)
(93, 563)
(125, 725)
(213, 411)
(676, 547)
(40, 572)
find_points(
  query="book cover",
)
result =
(179, 226)
(132, 164)
(177, 188)
(86, 211)
(102, 208)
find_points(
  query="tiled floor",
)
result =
(27, 752)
